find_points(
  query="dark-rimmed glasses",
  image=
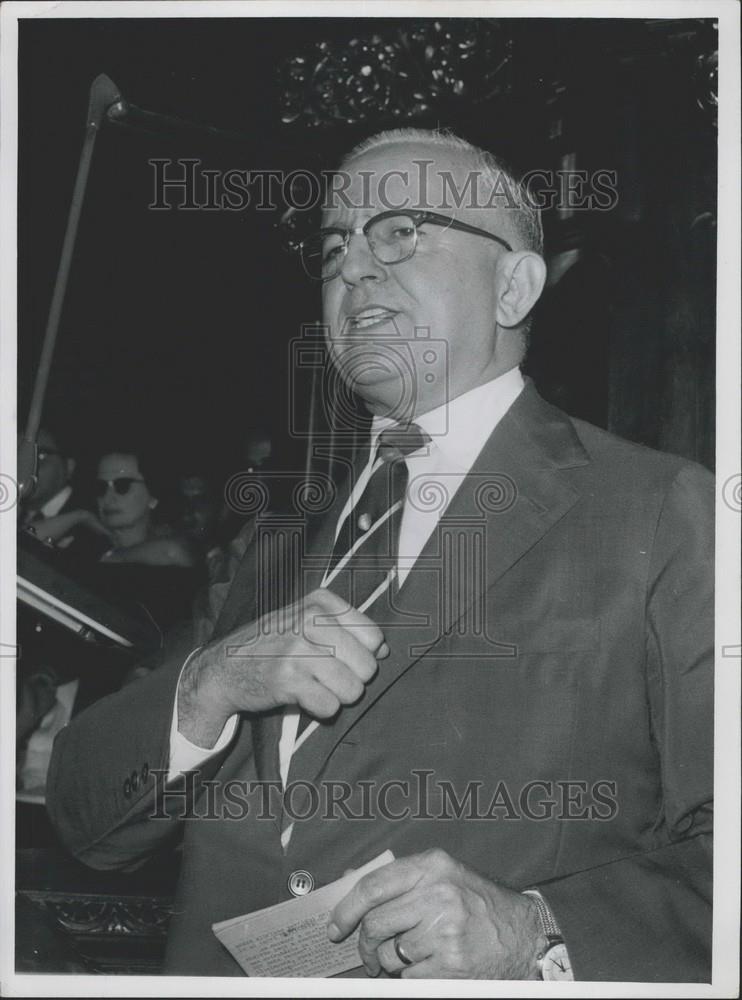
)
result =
(392, 238)
(121, 486)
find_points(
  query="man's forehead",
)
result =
(393, 176)
(413, 176)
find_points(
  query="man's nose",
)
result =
(359, 263)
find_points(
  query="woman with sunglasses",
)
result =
(148, 563)
(126, 507)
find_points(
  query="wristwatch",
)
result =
(553, 962)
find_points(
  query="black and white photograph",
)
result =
(370, 493)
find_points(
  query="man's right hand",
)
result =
(51, 529)
(317, 654)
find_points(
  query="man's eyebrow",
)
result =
(343, 223)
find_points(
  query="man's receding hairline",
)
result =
(433, 139)
(392, 145)
(527, 222)
(404, 145)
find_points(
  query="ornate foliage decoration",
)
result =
(82, 914)
(411, 69)
(707, 83)
(401, 73)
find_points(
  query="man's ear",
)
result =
(520, 281)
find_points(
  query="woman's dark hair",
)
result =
(153, 475)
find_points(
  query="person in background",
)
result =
(150, 564)
(258, 448)
(146, 567)
(254, 475)
(199, 512)
(73, 536)
(126, 507)
(215, 528)
(54, 472)
(51, 512)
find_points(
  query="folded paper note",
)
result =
(290, 939)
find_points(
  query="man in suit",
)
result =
(519, 708)
(52, 512)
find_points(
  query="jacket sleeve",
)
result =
(109, 766)
(108, 771)
(647, 916)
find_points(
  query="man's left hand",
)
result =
(450, 922)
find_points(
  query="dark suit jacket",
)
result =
(546, 711)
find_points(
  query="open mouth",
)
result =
(371, 317)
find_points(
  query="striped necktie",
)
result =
(364, 558)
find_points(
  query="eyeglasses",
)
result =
(45, 453)
(392, 238)
(121, 486)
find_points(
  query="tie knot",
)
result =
(401, 440)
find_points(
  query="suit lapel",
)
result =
(515, 493)
(249, 598)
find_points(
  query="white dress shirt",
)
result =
(458, 432)
(54, 504)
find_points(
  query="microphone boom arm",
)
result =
(103, 93)
(105, 103)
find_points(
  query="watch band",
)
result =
(549, 926)
(548, 923)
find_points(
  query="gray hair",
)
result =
(525, 218)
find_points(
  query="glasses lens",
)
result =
(121, 486)
(392, 238)
(322, 254)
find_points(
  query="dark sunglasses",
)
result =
(120, 486)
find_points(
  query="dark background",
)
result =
(177, 324)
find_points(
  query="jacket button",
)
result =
(300, 883)
(127, 788)
(134, 780)
(685, 823)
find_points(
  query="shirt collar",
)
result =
(54, 504)
(459, 428)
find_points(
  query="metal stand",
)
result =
(103, 93)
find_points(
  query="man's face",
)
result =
(53, 470)
(445, 291)
(258, 451)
